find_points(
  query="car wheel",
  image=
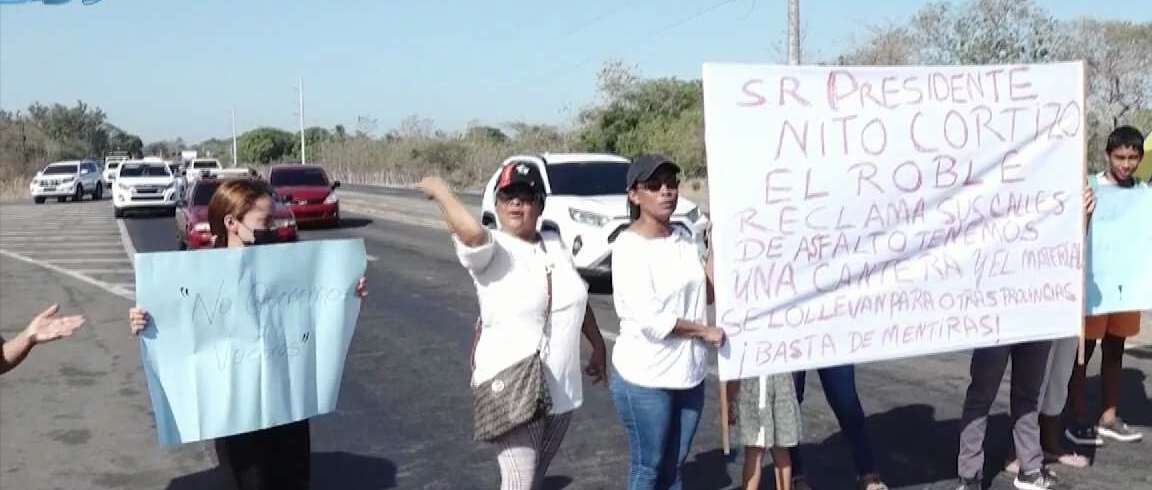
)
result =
(62, 199)
(38, 200)
(78, 195)
(98, 194)
(117, 212)
(181, 245)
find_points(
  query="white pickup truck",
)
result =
(198, 167)
(144, 184)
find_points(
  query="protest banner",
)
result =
(870, 213)
(246, 339)
(1119, 266)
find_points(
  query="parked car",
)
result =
(144, 184)
(70, 179)
(192, 228)
(588, 206)
(308, 192)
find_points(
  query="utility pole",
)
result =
(793, 32)
(300, 92)
(233, 137)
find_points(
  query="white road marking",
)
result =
(85, 245)
(104, 271)
(80, 251)
(126, 240)
(116, 289)
(86, 261)
(56, 238)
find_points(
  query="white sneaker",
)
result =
(1119, 431)
(1035, 480)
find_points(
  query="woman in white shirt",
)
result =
(662, 293)
(511, 268)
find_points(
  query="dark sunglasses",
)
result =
(655, 185)
(524, 196)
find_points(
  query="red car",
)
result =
(310, 194)
(192, 228)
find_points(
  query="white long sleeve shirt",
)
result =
(655, 282)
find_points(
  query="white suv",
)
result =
(144, 184)
(67, 179)
(588, 206)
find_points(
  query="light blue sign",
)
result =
(1119, 263)
(245, 339)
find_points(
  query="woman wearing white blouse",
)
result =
(511, 270)
(662, 292)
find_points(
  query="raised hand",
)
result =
(47, 327)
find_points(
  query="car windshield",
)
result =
(588, 178)
(202, 194)
(60, 170)
(299, 176)
(205, 165)
(138, 170)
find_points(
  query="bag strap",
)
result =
(546, 333)
(546, 330)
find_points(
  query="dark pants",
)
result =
(276, 458)
(1029, 362)
(839, 383)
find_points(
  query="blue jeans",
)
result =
(660, 424)
(839, 384)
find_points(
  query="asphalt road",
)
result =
(76, 415)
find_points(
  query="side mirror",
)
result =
(335, 184)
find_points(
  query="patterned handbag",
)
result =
(518, 395)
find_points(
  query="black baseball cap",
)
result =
(643, 166)
(520, 173)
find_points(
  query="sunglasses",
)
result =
(524, 196)
(655, 185)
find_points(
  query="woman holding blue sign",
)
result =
(275, 458)
(533, 309)
(1125, 149)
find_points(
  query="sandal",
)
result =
(1071, 460)
(871, 482)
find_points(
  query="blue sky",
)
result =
(168, 68)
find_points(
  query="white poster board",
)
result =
(870, 213)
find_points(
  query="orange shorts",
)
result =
(1124, 325)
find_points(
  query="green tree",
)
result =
(663, 115)
(265, 145)
(986, 32)
(486, 134)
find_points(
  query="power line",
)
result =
(595, 20)
(695, 15)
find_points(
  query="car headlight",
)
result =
(588, 218)
(202, 228)
(332, 198)
(283, 223)
(124, 186)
